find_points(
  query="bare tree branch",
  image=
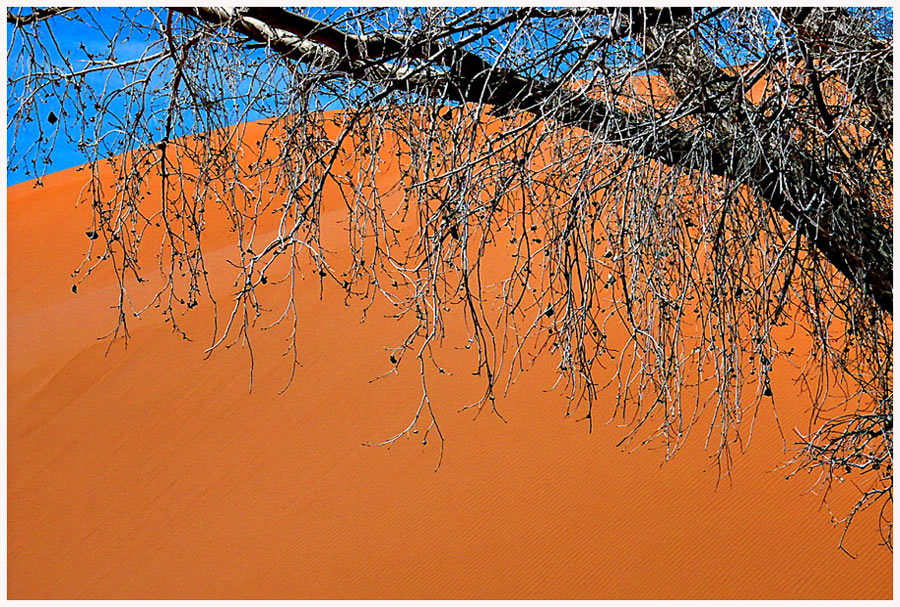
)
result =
(37, 14)
(864, 258)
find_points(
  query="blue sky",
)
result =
(77, 39)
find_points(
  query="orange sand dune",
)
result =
(149, 472)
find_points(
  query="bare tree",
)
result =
(715, 179)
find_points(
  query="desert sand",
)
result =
(154, 472)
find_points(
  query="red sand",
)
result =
(153, 473)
